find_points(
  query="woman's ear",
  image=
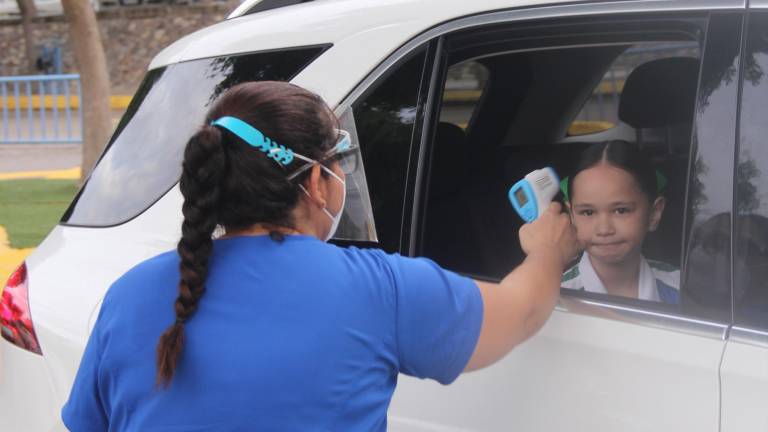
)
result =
(657, 209)
(315, 187)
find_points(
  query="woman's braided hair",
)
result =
(227, 182)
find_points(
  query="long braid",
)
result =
(226, 182)
(203, 169)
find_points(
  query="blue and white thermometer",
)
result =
(531, 195)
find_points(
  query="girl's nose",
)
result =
(605, 225)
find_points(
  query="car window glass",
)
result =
(522, 123)
(709, 201)
(462, 91)
(384, 119)
(601, 110)
(750, 272)
(143, 159)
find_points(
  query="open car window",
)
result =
(551, 93)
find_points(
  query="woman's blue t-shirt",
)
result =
(295, 335)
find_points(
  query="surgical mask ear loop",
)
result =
(337, 218)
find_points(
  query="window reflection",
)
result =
(707, 276)
(751, 259)
(143, 159)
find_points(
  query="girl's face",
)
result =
(611, 213)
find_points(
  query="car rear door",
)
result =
(600, 363)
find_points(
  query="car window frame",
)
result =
(742, 331)
(383, 72)
(630, 311)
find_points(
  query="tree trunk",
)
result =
(92, 65)
(28, 12)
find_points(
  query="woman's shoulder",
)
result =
(164, 265)
(164, 262)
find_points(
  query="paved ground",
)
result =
(36, 157)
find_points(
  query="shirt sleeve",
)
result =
(438, 318)
(85, 410)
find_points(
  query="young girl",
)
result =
(614, 201)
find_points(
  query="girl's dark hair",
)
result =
(624, 155)
(227, 182)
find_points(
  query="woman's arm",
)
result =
(518, 306)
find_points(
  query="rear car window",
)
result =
(143, 158)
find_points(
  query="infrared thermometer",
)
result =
(531, 195)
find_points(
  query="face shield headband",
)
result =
(343, 151)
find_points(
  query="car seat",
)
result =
(658, 101)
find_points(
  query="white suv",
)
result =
(451, 102)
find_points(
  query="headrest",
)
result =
(660, 93)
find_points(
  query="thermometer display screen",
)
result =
(521, 197)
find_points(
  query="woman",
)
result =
(271, 328)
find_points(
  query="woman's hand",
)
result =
(552, 232)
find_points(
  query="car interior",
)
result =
(521, 122)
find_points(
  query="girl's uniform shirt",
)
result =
(291, 336)
(658, 281)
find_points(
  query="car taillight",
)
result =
(14, 312)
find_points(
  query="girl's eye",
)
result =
(586, 212)
(622, 210)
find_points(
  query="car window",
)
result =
(709, 201)
(143, 159)
(385, 117)
(601, 110)
(534, 92)
(462, 91)
(750, 271)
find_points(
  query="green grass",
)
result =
(29, 209)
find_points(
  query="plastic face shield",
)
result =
(344, 152)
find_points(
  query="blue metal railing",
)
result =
(41, 109)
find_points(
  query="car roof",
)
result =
(363, 33)
(326, 21)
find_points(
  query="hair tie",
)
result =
(180, 320)
(277, 152)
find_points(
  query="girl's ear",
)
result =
(657, 209)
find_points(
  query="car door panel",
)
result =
(580, 373)
(601, 365)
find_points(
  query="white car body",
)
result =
(643, 377)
